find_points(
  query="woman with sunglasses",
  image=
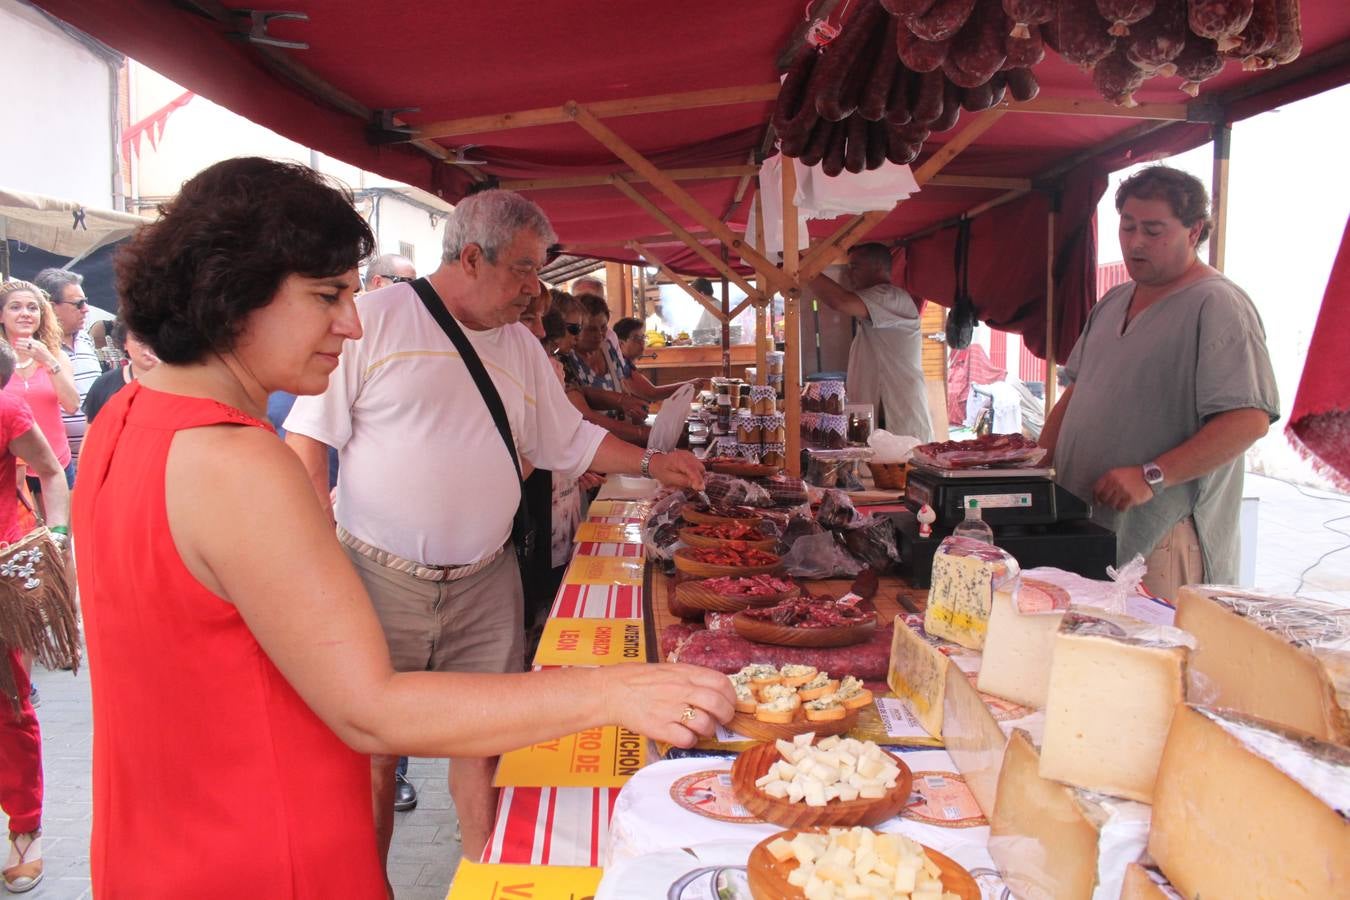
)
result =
(43, 376)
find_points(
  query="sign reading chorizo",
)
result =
(591, 642)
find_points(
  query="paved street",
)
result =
(1291, 535)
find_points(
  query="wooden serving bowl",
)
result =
(696, 517)
(768, 876)
(754, 764)
(694, 539)
(784, 636)
(685, 563)
(748, 725)
(697, 595)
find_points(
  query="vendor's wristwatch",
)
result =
(647, 462)
(1153, 476)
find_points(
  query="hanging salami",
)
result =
(1260, 34)
(1220, 20)
(833, 162)
(916, 53)
(878, 89)
(1156, 41)
(841, 72)
(978, 50)
(1117, 78)
(903, 85)
(1022, 84)
(1026, 14)
(927, 104)
(877, 144)
(1124, 13)
(942, 20)
(794, 113)
(1288, 42)
(1200, 60)
(1079, 33)
(907, 7)
(819, 142)
(1023, 53)
(855, 153)
(951, 109)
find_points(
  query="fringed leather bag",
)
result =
(37, 606)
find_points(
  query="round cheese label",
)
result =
(710, 794)
(943, 799)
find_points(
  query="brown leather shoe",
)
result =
(26, 873)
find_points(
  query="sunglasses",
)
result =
(401, 279)
(573, 328)
(78, 304)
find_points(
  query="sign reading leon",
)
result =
(591, 642)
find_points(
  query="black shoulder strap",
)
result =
(433, 303)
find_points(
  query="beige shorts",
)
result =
(475, 624)
(1175, 561)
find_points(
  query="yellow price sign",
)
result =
(481, 881)
(597, 757)
(591, 642)
(608, 533)
(617, 570)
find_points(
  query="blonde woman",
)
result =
(43, 377)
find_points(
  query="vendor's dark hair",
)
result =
(222, 248)
(703, 286)
(1184, 193)
(874, 253)
(625, 327)
(593, 304)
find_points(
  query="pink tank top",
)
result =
(38, 391)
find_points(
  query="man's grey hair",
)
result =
(54, 281)
(492, 219)
(385, 266)
(577, 286)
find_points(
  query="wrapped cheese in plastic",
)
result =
(966, 573)
(1280, 658)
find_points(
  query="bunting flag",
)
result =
(152, 126)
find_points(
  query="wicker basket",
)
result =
(888, 476)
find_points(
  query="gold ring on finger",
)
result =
(688, 714)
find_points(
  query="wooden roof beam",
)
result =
(704, 173)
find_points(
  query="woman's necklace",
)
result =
(19, 370)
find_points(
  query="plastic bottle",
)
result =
(974, 526)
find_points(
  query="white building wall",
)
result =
(59, 111)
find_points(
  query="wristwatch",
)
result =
(647, 461)
(1153, 476)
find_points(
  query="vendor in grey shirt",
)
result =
(1170, 383)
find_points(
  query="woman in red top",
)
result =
(43, 376)
(20, 738)
(239, 672)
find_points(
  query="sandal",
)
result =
(23, 870)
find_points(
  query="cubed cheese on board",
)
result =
(1114, 685)
(918, 676)
(1146, 883)
(972, 736)
(1054, 842)
(1272, 657)
(1018, 644)
(966, 573)
(1248, 808)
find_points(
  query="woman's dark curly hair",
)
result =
(222, 248)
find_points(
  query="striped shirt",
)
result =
(84, 359)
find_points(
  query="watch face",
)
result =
(1153, 474)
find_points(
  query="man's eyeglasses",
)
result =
(401, 279)
(573, 328)
(78, 304)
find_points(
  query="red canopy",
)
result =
(445, 63)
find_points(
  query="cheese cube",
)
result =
(777, 789)
(1017, 647)
(1248, 808)
(1112, 695)
(795, 791)
(918, 673)
(1277, 658)
(872, 791)
(907, 873)
(814, 793)
(780, 849)
(973, 737)
(797, 877)
(1051, 840)
(965, 575)
(1145, 883)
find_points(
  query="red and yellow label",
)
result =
(591, 642)
(597, 757)
(608, 533)
(479, 881)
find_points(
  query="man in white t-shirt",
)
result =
(884, 362)
(428, 490)
(66, 290)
